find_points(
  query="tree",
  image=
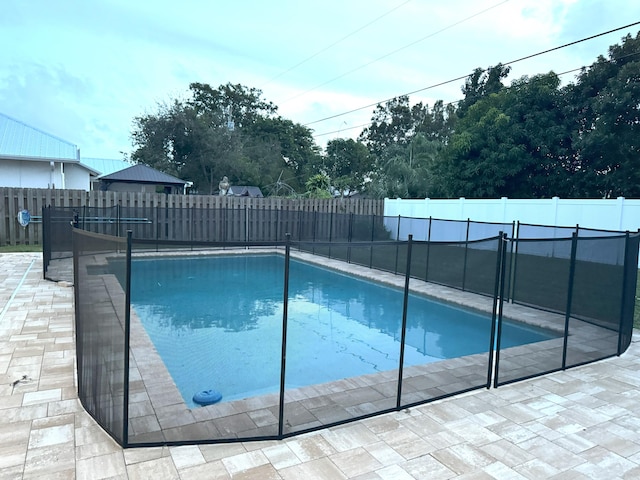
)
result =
(392, 124)
(407, 171)
(318, 186)
(480, 84)
(180, 141)
(348, 164)
(605, 109)
(229, 131)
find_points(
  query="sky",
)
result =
(84, 70)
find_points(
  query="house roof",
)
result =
(142, 174)
(104, 166)
(21, 141)
(244, 191)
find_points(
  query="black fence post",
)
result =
(46, 247)
(514, 235)
(283, 354)
(157, 227)
(127, 335)
(623, 299)
(567, 315)
(403, 331)
(496, 314)
(117, 220)
(192, 226)
(350, 237)
(426, 267)
(373, 233)
(395, 268)
(330, 231)
(466, 251)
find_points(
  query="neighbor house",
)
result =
(31, 158)
(244, 191)
(104, 166)
(140, 178)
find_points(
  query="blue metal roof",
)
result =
(19, 140)
(105, 166)
(142, 174)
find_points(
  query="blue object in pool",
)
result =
(207, 397)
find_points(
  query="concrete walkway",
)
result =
(582, 423)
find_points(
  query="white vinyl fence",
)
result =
(618, 214)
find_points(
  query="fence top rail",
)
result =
(563, 239)
(101, 236)
(459, 242)
(567, 227)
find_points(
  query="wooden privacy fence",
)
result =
(14, 200)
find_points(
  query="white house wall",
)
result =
(76, 177)
(41, 174)
(15, 173)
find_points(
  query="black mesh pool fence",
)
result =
(587, 287)
(127, 387)
(101, 341)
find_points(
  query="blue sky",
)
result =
(82, 70)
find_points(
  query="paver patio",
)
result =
(580, 423)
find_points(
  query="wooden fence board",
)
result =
(12, 200)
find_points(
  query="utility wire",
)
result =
(336, 42)
(395, 51)
(465, 76)
(457, 101)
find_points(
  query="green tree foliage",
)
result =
(348, 164)
(512, 143)
(407, 171)
(531, 139)
(605, 104)
(228, 131)
(405, 140)
(482, 83)
(318, 186)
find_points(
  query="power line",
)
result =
(336, 42)
(433, 34)
(465, 76)
(456, 101)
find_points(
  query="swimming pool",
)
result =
(217, 324)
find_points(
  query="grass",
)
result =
(20, 248)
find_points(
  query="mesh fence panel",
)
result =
(481, 266)
(540, 278)
(448, 230)
(197, 331)
(446, 264)
(482, 230)
(596, 299)
(177, 261)
(332, 334)
(629, 296)
(432, 368)
(540, 273)
(100, 310)
(528, 231)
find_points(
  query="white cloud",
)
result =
(84, 70)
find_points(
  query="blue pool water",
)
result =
(217, 324)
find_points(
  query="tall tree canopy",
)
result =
(228, 131)
(531, 139)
